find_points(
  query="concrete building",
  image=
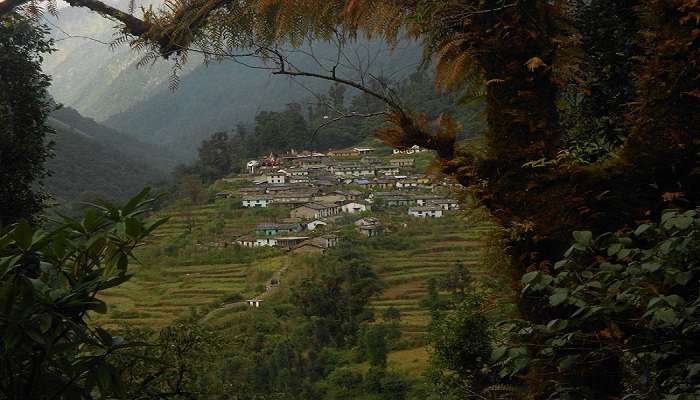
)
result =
(402, 162)
(426, 212)
(256, 303)
(266, 242)
(411, 150)
(315, 210)
(276, 177)
(386, 170)
(315, 224)
(274, 229)
(445, 204)
(246, 241)
(317, 244)
(354, 207)
(252, 166)
(256, 201)
(289, 242)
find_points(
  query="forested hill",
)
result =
(92, 160)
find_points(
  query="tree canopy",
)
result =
(24, 106)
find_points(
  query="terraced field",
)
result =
(440, 245)
(177, 275)
(182, 271)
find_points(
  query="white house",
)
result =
(256, 201)
(426, 212)
(256, 303)
(276, 177)
(353, 207)
(387, 170)
(411, 150)
(445, 204)
(252, 166)
(315, 224)
(423, 199)
(363, 150)
(246, 241)
(266, 242)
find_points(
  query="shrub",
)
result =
(627, 309)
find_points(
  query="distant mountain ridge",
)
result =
(106, 85)
(91, 158)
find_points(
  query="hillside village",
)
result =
(322, 190)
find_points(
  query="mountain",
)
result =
(105, 83)
(92, 159)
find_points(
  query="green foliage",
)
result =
(181, 361)
(373, 342)
(335, 296)
(49, 281)
(24, 108)
(628, 299)
(461, 343)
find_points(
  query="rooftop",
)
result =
(424, 208)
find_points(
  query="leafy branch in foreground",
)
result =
(49, 281)
(631, 297)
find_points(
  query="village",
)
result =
(322, 190)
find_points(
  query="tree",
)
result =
(335, 297)
(215, 159)
(191, 187)
(457, 281)
(462, 348)
(374, 343)
(49, 282)
(24, 107)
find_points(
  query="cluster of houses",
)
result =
(307, 183)
(311, 209)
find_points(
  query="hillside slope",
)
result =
(90, 158)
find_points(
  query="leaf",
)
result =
(23, 235)
(136, 200)
(567, 362)
(45, 321)
(557, 324)
(614, 249)
(651, 266)
(155, 225)
(105, 337)
(641, 229)
(560, 295)
(693, 370)
(498, 353)
(682, 223)
(534, 63)
(530, 276)
(583, 237)
(665, 315)
(96, 305)
(682, 278)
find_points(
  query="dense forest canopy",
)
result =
(592, 132)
